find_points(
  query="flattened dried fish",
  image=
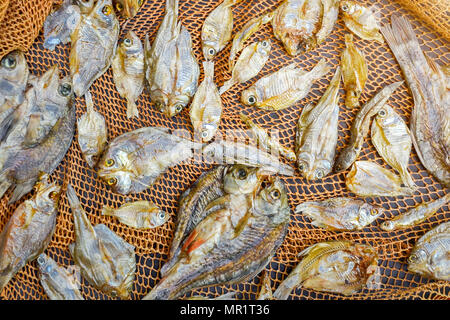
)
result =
(139, 214)
(430, 119)
(361, 21)
(283, 88)
(29, 230)
(249, 64)
(206, 107)
(105, 259)
(340, 213)
(354, 72)
(58, 282)
(317, 133)
(128, 8)
(369, 179)
(391, 138)
(60, 24)
(431, 254)
(415, 215)
(336, 266)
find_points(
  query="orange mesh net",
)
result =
(3, 7)
(152, 246)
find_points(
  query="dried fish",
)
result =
(354, 72)
(92, 133)
(58, 282)
(283, 88)
(206, 107)
(128, 71)
(29, 230)
(265, 293)
(105, 259)
(361, 125)
(128, 8)
(430, 119)
(361, 21)
(225, 296)
(340, 213)
(337, 266)
(139, 214)
(249, 64)
(317, 133)
(415, 215)
(369, 179)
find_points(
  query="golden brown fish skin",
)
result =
(128, 8)
(431, 254)
(391, 138)
(354, 72)
(284, 87)
(361, 125)
(249, 64)
(317, 133)
(129, 72)
(337, 266)
(140, 214)
(340, 213)
(361, 21)
(415, 215)
(369, 179)
(29, 230)
(430, 119)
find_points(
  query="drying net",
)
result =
(152, 246)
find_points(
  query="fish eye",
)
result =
(212, 51)
(65, 89)
(251, 100)
(107, 10)
(112, 181)
(127, 42)
(40, 260)
(344, 7)
(319, 174)
(204, 134)
(242, 173)
(301, 166)
(387, 225)
(374, 212)
(113, 294)
(265, 43)
(413, 258)
(9, 62)
(109, 162)
(140, 2)
(382, 112)
(119, 6)
(275, 194)
(53, 195)
(178, 108)
(162, 215)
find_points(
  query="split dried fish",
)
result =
(216, 30)
(249, 64)
(340, 213)
(238, 251)
(430, 119)
(369, 179)
(415, 215)
(317, 133)
(29, 230)
(354, 72)
(431, 254)
(337, 266)
(94, 44)
(283, 88)
(106, 261)
(361, 20)
(133, 161)
(92, 133)
(172, 69)
(391, 138)
(58, 282)
(361, 125)
(206, 107)
(128, 8)
(128, 71)
(139, 214)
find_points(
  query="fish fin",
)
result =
(282, 101)
(32, 134)
(72, 197)
(20, 190)
(107, 211)
(7, 124)
(285, 288)
(132, 109)
(320, 69)
(89, 102)
(226, 86)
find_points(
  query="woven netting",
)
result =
(3, 7)
(152, 246)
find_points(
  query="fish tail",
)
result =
(4, 183)
(226, 86)
(20, 190)
(172, 6)
(285, 288)
(407, 179)
(321, 68)
(89, 102)
(132, 109)
(7, 123)
(107, 211)
(208, 68)
(72, 197)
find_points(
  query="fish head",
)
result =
(53, 89)
(131, 45)
(128, 8)
(46, 265)
(263, 47)
(209, 51)
(251, 96)
(312, 169)
(85, 6)
(367, 263)
(176, 105)
(242, 179)
(208, 130)
(103, 11)
(158, 218)
(418, 261)
(116, 169)
(47, 194)
(368, 213)
(13, 73)
(271, 200)
(350, 9)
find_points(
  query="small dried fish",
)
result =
(283, 88)
(139, 214)
(336, 266)
(391, 138)
(58, 282)
(105, 259)
(249, 64)
(92, 133)
(29, 230)
(265, 293)
(369, 179)
(361, 21)
(361, 126)
(225, 296)
(431, 254)
(128, 71)
(267, 143)
(340, 213)
(415, 215)
(354, 72)
(128, 8)
(206, 107)
(317, 133)
(216, 30)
